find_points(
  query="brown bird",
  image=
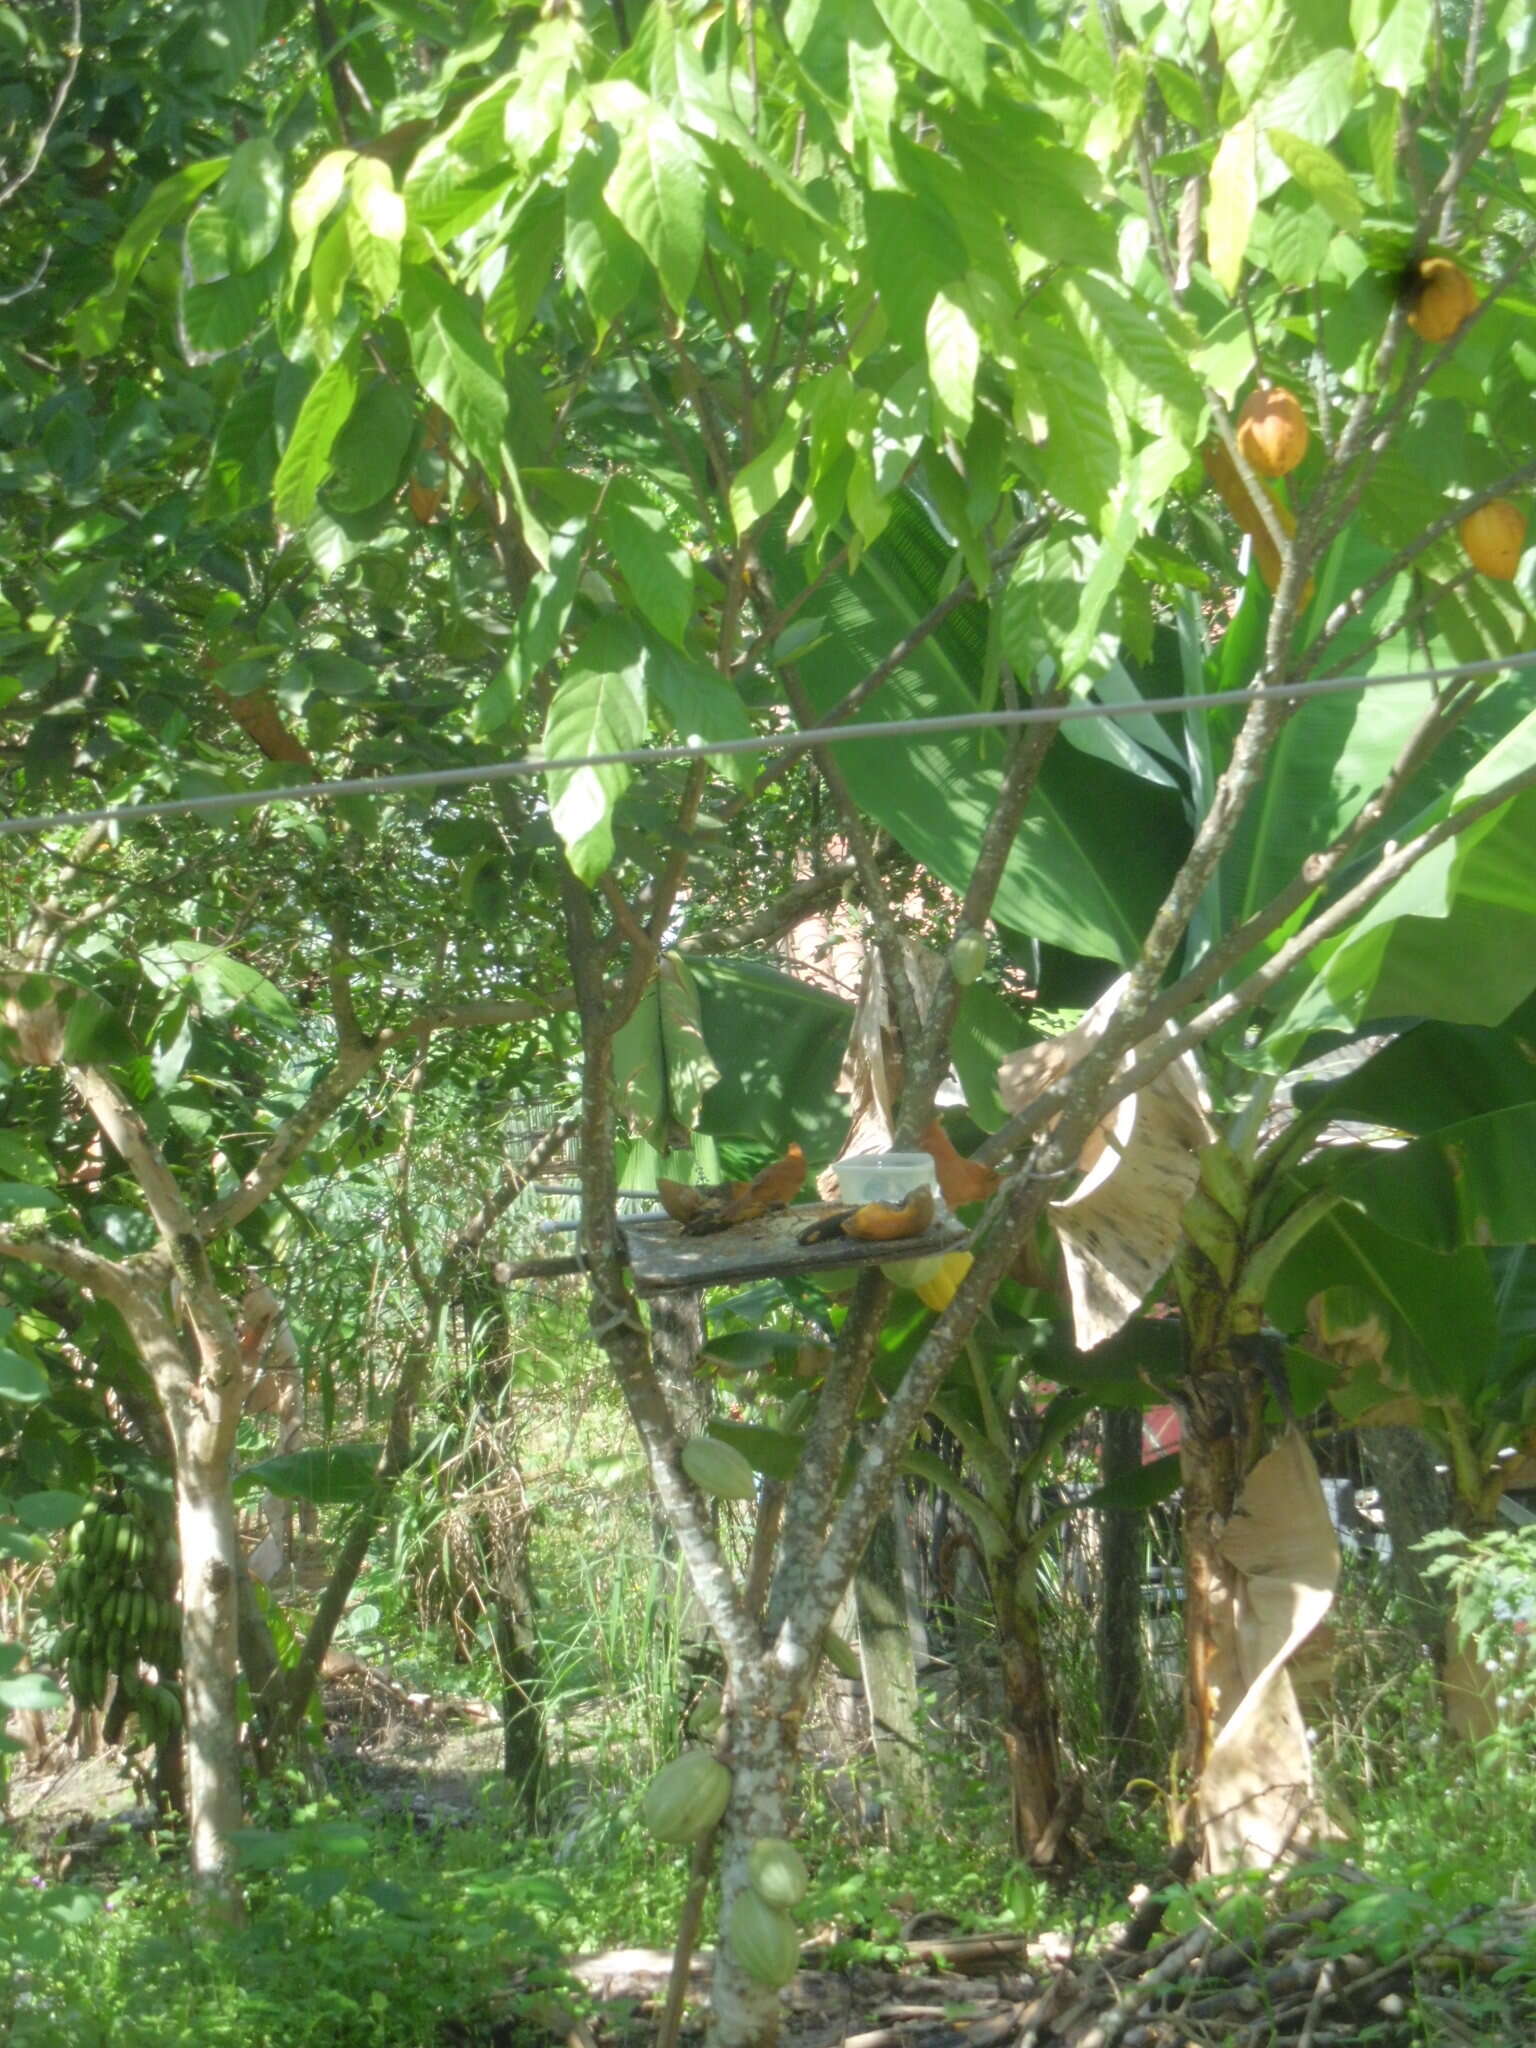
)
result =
(681, 1202)
(826, 1228)
(884, 1222)
(961, 1180)
(773, 1188)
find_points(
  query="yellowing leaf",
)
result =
(1234, 200)
(1320, 171)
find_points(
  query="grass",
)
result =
(380, 1933)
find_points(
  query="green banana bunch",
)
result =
(115, 1608)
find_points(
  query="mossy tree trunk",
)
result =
(890, 1677)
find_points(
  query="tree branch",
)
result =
(1393, 865)
(614, 1314)
(1438, 722)
(73, 51)
(930, 1062)
(88, 1270)
(1352, 606)
(847, 707)
(877, 902)
(291, 1140)
(800, 901)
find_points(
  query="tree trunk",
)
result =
(761, 1755)
(525, 1759)
(1122, 1547)
(210, 1561)
(1415, 1499)
(677, 1335)
(202, 1413)
(1030, 1738)
(890, 1677)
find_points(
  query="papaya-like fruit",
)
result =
(1440, 297)
(1272, 431)
(778, 1872)
(1494, 538)
(1234, 493)
(968, 957)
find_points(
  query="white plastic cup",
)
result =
(887, 1177)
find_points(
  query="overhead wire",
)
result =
(801, 741)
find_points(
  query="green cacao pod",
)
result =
(715, 1468)
(763, 1940)
(686, 1797)
(707, 1712)
(778, 1872)
(968, 957)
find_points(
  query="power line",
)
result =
(764, 743)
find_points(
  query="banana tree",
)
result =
(996, 1488)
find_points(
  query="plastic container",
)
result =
(887, 1177)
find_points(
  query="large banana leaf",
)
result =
(1434, 1075)
(1468, 1097)
(1452, 939)
(1098, 845)
(1439, 1310)
(1468, 1184)
(780, 1048)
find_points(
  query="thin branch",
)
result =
(1334, 501)
(871, 880)
(802, 1627)
(813, 1487)
(472, 1016)
(405, 1215)
(676, 869)
(1352, 606)
(626, 924)
(73, 50)
(927, 1065)
(1438, 722)
(34, 282)
(848, 706)
(782, 914)
(126, 1130)
(290, 1141)
(614, 1315)
(1394, 864)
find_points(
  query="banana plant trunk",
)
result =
(1217, 1448)
(1221, 1417)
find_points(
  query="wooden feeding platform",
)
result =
(663, 1260)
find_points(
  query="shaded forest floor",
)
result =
(1355, 1957)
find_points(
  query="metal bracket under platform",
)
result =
(663, 1260)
